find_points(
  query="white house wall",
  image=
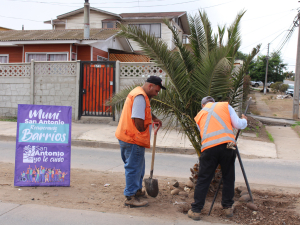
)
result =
(76, 21)
(166, 34)
(111, 43)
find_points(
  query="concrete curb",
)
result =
(273, 121)
(100, 144)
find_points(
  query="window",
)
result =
(100, 58)
(108, 25)
(3, 58)
(47, 56)
(153, 29)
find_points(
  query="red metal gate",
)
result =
(96, 87)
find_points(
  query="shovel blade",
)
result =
(151, 187)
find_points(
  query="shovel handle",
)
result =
(157, 127)
(154, 145)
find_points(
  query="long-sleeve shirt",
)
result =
(236, 122)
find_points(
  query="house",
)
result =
(151, 22)
(67, 41)
(4, 28)
(59, 45)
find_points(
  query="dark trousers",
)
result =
(209, 160)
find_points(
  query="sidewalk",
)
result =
(103, 135)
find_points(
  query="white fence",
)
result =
(57, 83)
(128, 73)
(39, 83)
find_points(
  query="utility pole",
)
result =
(297, 77)
(266, 76)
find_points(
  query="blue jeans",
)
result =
(133, 157)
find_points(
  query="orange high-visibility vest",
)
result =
(126, 130)
(215, 125)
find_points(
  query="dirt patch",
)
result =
(267, 105)
(297, 129)
(87, 192)
(256, 128)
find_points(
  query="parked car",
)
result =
(256, 83)
(290, 90)
(270, 83)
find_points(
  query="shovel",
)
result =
(152, 184)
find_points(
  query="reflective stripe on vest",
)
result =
(225, 129)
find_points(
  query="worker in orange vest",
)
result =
(133, 133)
(215, 122)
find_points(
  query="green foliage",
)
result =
(208, 69)
(297, 123)
(9, 119)
(283, 88)
(270, 137)
(241, 56)
(279, 87)
(257, 68)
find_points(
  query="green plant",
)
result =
(206, 68)
(257, 134)
(283, 88)
(9, 119)
(270, 137)
(297, 123)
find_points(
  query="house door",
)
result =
(97, 85)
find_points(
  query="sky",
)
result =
(264, 21)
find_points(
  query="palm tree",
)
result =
(207, 69)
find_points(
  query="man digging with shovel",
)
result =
(215, 122)
(133, 133)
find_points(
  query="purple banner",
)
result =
(43, 145)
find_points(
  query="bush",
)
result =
(279, 87)
(283, 88)
(276, 86)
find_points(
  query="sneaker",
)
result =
(134, 201)
(228, 211)
(193, 215)
(140, 193)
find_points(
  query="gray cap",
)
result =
(206, 100)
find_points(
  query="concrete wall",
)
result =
(39, 83)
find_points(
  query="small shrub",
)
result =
(283, 88)
(9, 119)
(296, 124)
(279, 87)
(270, 137)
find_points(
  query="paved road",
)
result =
(259, 171)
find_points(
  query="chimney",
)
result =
(86, 20)
(22, 27)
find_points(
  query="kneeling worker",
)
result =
(133, 133)
(215, 122)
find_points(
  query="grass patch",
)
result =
(296, 124)
(257, 135)
(9, 119)
(247, 128)
(270, 137)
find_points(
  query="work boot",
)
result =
(229, 211)
(134, 201)
(193, 215)
(140, 193)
